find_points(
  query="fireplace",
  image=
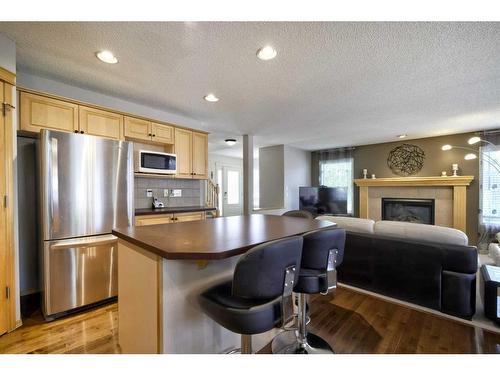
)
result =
(410, 210)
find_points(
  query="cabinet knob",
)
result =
(81, 132)
(154, 135)
(76, 131)
(149, 134)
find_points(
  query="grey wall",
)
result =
(297, 173)
(191, 192)
(49, 86)
(374, 158)
(271, 177)
(7, 54)
(282, 170)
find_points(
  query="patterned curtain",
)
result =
(336, 169)
(489, 189)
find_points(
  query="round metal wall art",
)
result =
(406, 160)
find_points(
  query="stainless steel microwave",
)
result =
(155, 162)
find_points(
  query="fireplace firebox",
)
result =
(408, 209)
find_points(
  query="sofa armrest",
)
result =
(460, 258)
(458, 294)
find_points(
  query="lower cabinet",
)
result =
(142, 220)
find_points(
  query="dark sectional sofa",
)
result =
(428, 271)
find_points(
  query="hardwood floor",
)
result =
(94, 331)
(351, 322)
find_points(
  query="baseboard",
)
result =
(475, 322)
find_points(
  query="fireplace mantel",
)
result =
(416, 181)
(458, 184)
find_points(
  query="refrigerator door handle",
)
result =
(54, 183)
(87, 242)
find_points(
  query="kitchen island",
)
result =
(163, 268)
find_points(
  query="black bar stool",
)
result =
(322, 252)
(259, 296)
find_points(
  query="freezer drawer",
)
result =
(78, 272)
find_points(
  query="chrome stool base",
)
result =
(287, 343)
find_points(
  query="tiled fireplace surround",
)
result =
(443, 200)
(449, 194)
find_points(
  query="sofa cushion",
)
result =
(351, 224)
(421, 232)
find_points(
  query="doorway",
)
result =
(230, 179)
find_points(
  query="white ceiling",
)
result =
(332, 84)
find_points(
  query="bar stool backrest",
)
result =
(317, 246)
(260, 272)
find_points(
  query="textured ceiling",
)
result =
(332, 84)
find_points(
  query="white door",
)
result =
(232, 192)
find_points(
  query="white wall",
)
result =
(30, 81)
(215, 160)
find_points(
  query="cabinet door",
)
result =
(101, 123)
(162, 133)
(39, 112)
(189, 216)
(200, 155)
(137, 128)
(152, 220)
(183, 149)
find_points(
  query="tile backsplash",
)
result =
(191, 192)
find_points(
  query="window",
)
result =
(338, 173)
(490, 185)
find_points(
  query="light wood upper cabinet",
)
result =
(39, 112)
(137, 128)
(43, 112)
(162, 133)
(101, 123)
(145, 130)
(183, 150)
(200, 153)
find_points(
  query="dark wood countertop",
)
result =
(171, 210)
(217, 238)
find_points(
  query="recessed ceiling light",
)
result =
(107, 57)
(401, 136)
(470, 157)
(266, 53)
(446, 147)
(211, 98)
(230, 141)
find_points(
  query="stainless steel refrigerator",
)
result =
(86, 190)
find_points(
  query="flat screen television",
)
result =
(323, 200)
